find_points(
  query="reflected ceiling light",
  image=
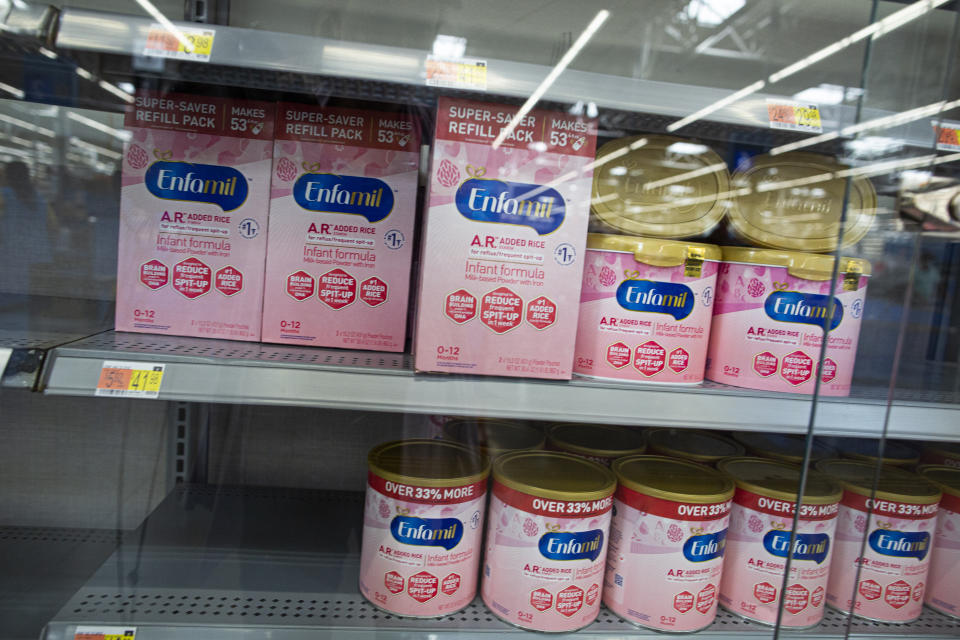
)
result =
(450, 47)
(618, 171)
(46, 52)
(567, 58)
(874, 30)
(687, 148)
(16, 93)
(716, 106)
(828, 94)
(147, 6)
(118, 91)
(119, 134)
(877, 123)
(86, 75)
(83, 144)
(20, 153)
(710, 13)
(687, 175)
(29, 126)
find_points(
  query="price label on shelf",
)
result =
(459, 73)
(794, 116)
(948, 136)
(164, 43)
(130, 379)
(105, 633)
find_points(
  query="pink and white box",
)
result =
(771, 310)
(943, 591)
(504, 245)
(645, 309)
(193, 216)
(342, 212)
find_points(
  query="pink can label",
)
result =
(943, 582)
(895, 561)
(545, 559)
(768, 329)
(193, 224)
(342, 211)
(421, 546)
(641, 322)
(758, 543)
(503, 248)
(665, 561)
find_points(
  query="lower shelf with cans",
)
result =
(282, 564)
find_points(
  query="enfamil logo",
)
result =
(354, 195)
(223, 186)
(530, 205)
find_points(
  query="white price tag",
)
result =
(130, 379)
(105, 633)
(457, 73)
(794, 116)
(163, 43)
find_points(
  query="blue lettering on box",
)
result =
(427, 532)
(223, 186)
(805, 308)
(900, 544)
(529, 205)
(354, 195)
(672, 298)
(566, 545)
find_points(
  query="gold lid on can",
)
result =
(794, 201)
(598, 440)
(554, 475)
(781, 446)
(867, 450)
(672, 479)
(659, 186)
(949, 450)
(779, 480)
(428, 463)
(492, 436)
(699, 446)
(809, 266)
(894, 483)
(947, 479)
(655, 251)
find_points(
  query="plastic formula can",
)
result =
(667, 542)
(898, 521)
(698, 446)
(783, 447)
(494, 437)
(422, 522)
(601, 443)
(645, 309)
(547, 540)
(772, 312)
(758, 543)
(941, 453)
(943, 581)
(896, 454)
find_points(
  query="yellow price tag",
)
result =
(460, 73)
(130, 379)
(105, 633)
(202, 43)
(794, 116)
(166, 43)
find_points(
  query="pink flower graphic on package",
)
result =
(607, 277)
(447, 173)
(755, 524)
(137, 157)
(674, 533)
(530, 528)
(286, 170)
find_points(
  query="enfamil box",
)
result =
(342, 212)
(193, 216)
(502, 257)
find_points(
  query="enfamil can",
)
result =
(898, 519)
(547, 540)
(782, 446)
(601, 443)
(772, 312)
(667, 542)
(692, 444)
(422, 524)
(758, 543)
(943, 581)
(941, 453)
(493, 437)
(895, 454)
(645, 309)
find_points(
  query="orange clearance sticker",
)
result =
(130, 379)
(948, 136)
(794, 116)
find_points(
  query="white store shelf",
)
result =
(279, 564)
(202, 370)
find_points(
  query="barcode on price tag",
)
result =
(948, 136)
(461, 73)
(794, 116)
(163, 43)
(129, 379)
(105, 633)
